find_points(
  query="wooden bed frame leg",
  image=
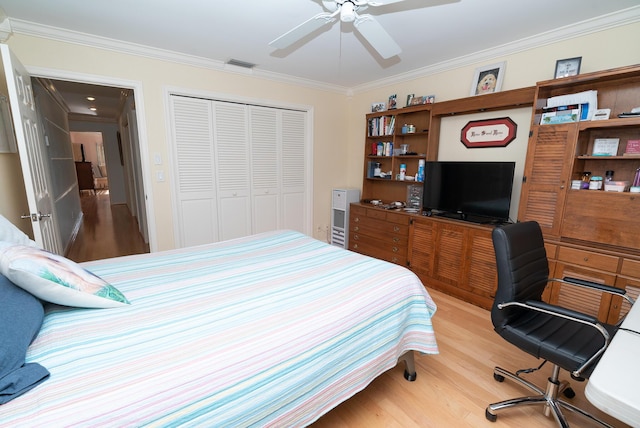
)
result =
(409, 366)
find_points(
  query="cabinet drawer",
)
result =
(630, 268)
(388, 216)
(384, 241)
(374, 248)
(588, 259)
(377, 227)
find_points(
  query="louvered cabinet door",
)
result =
(232, 168)
(482, 276)
(547, 176)
(195, 180)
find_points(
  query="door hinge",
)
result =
(530, 134)
(524, 178)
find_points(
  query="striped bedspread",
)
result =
(273, 329)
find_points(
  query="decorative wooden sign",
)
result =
(488, 133)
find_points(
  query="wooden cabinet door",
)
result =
(450, 252)
(421, 247)
(619, 306)
(591, 302)
(481, 276)
(547, 176)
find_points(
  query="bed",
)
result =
(274, 329)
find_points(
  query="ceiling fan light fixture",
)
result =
(347, 12)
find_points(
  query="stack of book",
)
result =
(570, 108)
(382, 125)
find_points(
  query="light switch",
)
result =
(160, 176)
(157, 159)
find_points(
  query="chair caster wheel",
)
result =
(498, 377)
(490, 416)
(410, 376)
(569, 392)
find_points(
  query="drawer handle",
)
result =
(357, 228)
(394, 249)
(355, 246)
(396, 240)
(357, 219)
(395, 260)
(356, 237)
(586, 259)
(396, 229)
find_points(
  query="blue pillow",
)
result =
(21, 316)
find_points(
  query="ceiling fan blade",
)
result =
(382, 2)
(304, 29)
(377, 37)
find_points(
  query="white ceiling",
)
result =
(433, 34)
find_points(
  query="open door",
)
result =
(31, 150)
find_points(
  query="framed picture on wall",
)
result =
(567, 67)
(488, 79)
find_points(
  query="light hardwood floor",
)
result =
(106, 231)
(454, 387)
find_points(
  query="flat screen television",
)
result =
(474, 191)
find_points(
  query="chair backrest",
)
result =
(523, 268)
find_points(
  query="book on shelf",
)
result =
(587, 100)
(633, 148)
(382, 125)
(561, 114)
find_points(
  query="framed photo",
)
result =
(392, 102)
(567, 67)
(430, 99)
(409, 99)
(488, 79)
(376, 107)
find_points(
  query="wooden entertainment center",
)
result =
(589, 234)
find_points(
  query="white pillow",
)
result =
(10, 233)
(56, 279)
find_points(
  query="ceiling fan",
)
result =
(346, 10)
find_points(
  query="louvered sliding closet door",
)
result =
(295, 202)
(233, 169)
(264, 125)
(195, 206)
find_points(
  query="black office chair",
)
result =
(567, 339)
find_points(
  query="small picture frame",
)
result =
(430, 99)
(377, 107)
(410, 99)
(605, 147)
(488, 79)
(567, 67)
(392, 102)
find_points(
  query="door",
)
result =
(32, 152)
(547, 173)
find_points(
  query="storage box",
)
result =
(616, 186)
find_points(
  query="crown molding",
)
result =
(604, 22)
(28, 28)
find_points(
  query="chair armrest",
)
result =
(594, 286)
(563, 312)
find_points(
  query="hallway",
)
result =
(106, 231)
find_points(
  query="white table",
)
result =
(614, 385)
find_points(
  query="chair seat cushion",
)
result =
(563, 342)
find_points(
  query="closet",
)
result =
(239, 169)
